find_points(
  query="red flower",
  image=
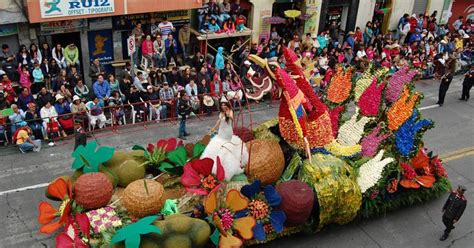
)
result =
(71, 235)
(166, 144)
(412, 180)
(47, 213)
(439, 169)
(198, 178)
(392, 186)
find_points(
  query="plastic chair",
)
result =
(89, 116)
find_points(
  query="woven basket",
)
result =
(139, 202)
(266, 161)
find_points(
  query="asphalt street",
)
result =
(416, 226)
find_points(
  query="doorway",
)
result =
(67, 38)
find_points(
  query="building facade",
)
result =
(100, 28)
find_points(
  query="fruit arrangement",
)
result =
(320, 162)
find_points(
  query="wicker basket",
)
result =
(139, 202)
(266, 161)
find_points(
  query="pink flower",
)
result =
(369, 101)
(396, 83)
(71, 237)
(198, 178)
(371, 142)
(166, 144)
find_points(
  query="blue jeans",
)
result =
(163, 111)
(182, 127)
(26, 147)
(160, 60)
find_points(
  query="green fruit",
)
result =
(117, 159)
(110, 174)
(137, 155)
(66, 178)
(128, 171)
(181, 231)
(76, 175)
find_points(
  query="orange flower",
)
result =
(62, 190)
(226, 220)
(340, 87)
(402, 109)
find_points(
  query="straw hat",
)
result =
(75, 98)
(208, 101)
(59, 97)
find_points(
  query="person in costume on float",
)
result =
(231, 150)
(453, 210)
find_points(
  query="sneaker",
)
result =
(182, 137)
(444, 237)
(51, 144)
(187, 134)
(37, 149)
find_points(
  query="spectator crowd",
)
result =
(46, 95)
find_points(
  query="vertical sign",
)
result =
(265, 26)
(101, 47)
(131, 45)
(313, 10)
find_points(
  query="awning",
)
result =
(213, 36)
(11, 13)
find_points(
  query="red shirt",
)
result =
(8, 87)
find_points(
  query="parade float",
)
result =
(354, 152)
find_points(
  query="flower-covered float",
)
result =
(354, 152)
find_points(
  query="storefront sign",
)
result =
(265, 26)
(276, 20)
(61, 8)
(313, 11)
(100, 23)
(63, 26)
(129, 21)
(7, 30)
(101, 47)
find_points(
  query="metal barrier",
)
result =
(129, 109)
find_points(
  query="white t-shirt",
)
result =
(361, 54)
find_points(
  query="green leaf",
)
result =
(177, 170)
(88, 158)
(141, 148)
(164, 166)
(198, 150)
(178, 156)
(131, 234)
(215, 237)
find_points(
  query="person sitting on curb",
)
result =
(24, 141)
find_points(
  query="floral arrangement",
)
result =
(401, 109)
(396, 83)
(338, 164)
(369, 101)
(340, 87)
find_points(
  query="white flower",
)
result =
(371, 171)
(352, 130)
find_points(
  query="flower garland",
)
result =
(371, 171)
(402, 109)
(352, 130)
(371, 142)
(369, 101)
(340, 87)
(396, 83)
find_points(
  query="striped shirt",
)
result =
(165, 28)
